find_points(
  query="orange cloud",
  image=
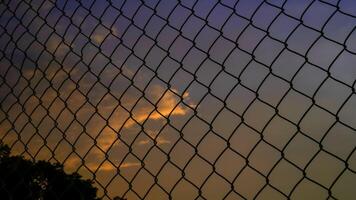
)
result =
(98, 38)
(106, 166)
(130, 164)
(74, 162)
(159, 141)
(168, 105)
(106, 139)
(115, 31)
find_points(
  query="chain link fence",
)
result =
(169, 99)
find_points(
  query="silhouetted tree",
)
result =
(22, 179)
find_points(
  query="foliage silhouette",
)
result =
(22, 179)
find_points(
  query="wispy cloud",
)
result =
(167, 106)
(98, 38)
(115, 31)
(107, 139)
(106, 166)
(130, 164)
(159, 140)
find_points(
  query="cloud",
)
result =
(154, 136)
(106, 139)
(168, 105)
(116, 120)
(97, 38)
(72, 164)
(130, 164)
(115, 31)
(57, 47)
(99, 35)
(104, 167)
(159, 141)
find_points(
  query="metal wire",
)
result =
(185, 99)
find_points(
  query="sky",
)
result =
(185, 100)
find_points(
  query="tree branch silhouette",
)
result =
(24, 179)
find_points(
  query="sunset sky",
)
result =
(187, 100)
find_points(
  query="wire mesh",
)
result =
(168, 99)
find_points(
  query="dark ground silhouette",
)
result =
(22, 179)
